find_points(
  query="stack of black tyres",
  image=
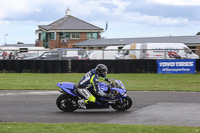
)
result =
(8, 65)
(40, 66)
(32, 66)
(16, 66)
(127, 66)
(149, 66)
(56, 66)
(142, 65)
(64, 66)
(134, 66)
(80, 66)
(198, 65)
(113, 66)
(1, 65)
(74, 66)
(108, 64)
(48, 66)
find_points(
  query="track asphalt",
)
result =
(149, 108)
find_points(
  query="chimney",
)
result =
(68, 12)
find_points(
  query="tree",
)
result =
(20, 43)
(198, 33)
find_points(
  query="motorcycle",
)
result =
(68, 100)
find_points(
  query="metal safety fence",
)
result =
(107, 54)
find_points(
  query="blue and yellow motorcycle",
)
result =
(68, 100)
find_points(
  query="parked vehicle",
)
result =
(17, 50)
(53, 55)
(26, 55)
(71, 52)
(108, 53)
(1, 55)
(156, 51)
(68, 100)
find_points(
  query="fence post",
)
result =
(59, 52)
(37, 55)
(103, 54)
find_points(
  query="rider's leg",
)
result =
(87, 95)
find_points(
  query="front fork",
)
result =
(120, 99)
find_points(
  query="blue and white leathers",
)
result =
(91, 80)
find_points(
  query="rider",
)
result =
(91, 79)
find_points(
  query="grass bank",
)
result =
(91, 128)
(134, 82)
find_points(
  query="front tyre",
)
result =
(66, 103)
(125, 105)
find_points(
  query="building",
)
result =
(65, 32)
(191, 41)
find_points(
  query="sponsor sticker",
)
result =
(186, 66)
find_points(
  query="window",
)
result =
(44, 36)
(52, 35)
(75, 36)
(40, 36)
(187, 50)
(81, 52)
(61, 35)
(67, 35)
(92, 35)
(127, 52)
(192, 47)
(46, 55)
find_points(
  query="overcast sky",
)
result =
(126, 18)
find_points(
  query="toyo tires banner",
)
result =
(184, 66)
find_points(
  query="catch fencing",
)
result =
(80, 66)
(100, 54)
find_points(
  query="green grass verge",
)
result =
(139, 82)
(91, 128)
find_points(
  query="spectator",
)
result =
(5, 55)
(11, 56)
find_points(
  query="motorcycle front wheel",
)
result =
(125, 105)
(66, 103)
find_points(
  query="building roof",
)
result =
(18, 45)
(189, 40)
(70, 23)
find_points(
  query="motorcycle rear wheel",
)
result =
(127, 103)
(66, 103)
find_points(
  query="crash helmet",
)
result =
(101, 70)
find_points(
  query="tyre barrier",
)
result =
(1, 65)
(80, 66)
(198, 65)
(116, 66)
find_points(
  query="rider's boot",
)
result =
(82, 103)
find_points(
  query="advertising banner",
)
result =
(185, 66)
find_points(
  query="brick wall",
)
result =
(59, 44)
(52, 44)
(197, 51)
(71, 42)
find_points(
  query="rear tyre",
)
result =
(126, 104)
(66, 103)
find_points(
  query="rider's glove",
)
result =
(107, 80)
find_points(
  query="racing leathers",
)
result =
(91, 79)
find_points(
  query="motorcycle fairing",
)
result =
(67, 87)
